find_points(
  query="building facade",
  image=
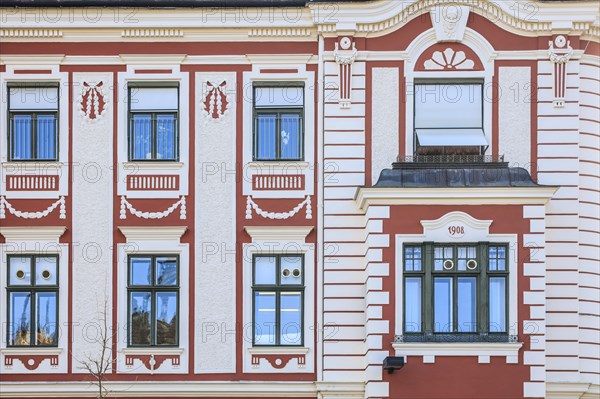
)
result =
(376, 199)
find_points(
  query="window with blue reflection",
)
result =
(264, 318)
(278, 123)
(412, 307)
(32, 300)
(443, 309)
(497, 301)
(153, 292)
(467, 304)
(290, 318)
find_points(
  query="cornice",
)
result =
(30, 233)
(278, 233)
(367, 196)
(37, 60)
(153, 233)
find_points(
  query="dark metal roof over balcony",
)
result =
(413, 172)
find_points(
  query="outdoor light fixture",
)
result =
(392, 363)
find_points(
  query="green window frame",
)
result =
(284, 284)
(27, 285)
(155, 115)
(279, 113)
(144, 320)
(455, 291)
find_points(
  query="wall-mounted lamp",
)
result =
(392, 363)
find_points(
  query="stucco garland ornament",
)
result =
(251, 205)
(216, 101)
(92, 103)
(448, 60)
(4, 205)
(126, 205)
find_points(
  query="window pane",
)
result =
(497, 304)
(442, 304)
(46, 329)
(46, 137)
(412, 304)
(45, 271)
(265, 270)
(139, 318)
(291, 318)
(412, 256)
(141, 271)
(291, 270)
(467, 304)
(266, 132)
(440, 254)
(22, 137)
(166, 137)
(166, 318)
(448, 106)
(290, 136)
(154, 98)
(141, 136)
(33, 98)
(465, 254)
(166, 271)
(20, 271)
(19, 319)
(264, 318)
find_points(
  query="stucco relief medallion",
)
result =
(449, 60)
(215, 103)
(92, 101)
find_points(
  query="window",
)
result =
(33, 123)
(153, 293)
(456, 291)
(32, 300)
(278, 300)
(153, 123)
(278, 123)
(449, 119)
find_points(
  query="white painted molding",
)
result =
(432, 349)
(367, 196)
(278, 233)
(456, 217)
(31, 233)
(279, 59)
(31, 60)
(569, 390)
(31, 351)
(152, 233)
(278, 350)
(144, 59)
(151, 350)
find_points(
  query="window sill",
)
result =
(31, 165)
(39, 350)
(151, 350)
(484, 350)
(278, 350)
(269, 165)
(152, 165)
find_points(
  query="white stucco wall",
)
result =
(514, 115)
(92, 219)
(385, 105)
(215, 232)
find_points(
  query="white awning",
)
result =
(33, 98)
(451, 137)
(292, 96)
(154, 99)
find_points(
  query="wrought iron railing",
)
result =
(451, 159)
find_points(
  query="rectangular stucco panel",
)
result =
(385, 103)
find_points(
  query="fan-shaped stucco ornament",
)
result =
(449, 60)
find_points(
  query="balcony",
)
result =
(450, 161)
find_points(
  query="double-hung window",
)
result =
(153, 295)
(32, 300)
(279, 123)
(456, 292)
(278, 300)
(33, 123)
(153, 123)
(448, 118)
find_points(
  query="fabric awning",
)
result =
(451, 137)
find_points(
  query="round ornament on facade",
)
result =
(448, 264)
(345, 43)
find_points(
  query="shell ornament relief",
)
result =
(449, 60)
(216, 103)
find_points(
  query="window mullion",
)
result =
(427, 266)
(277, 317)
(483, 308)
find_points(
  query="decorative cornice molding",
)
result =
(279, 32)
(153, 233)
(367, 196)
(152, 32)
(30, 33)
(31, 233)
(278, 233)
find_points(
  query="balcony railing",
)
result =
(450, 160)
